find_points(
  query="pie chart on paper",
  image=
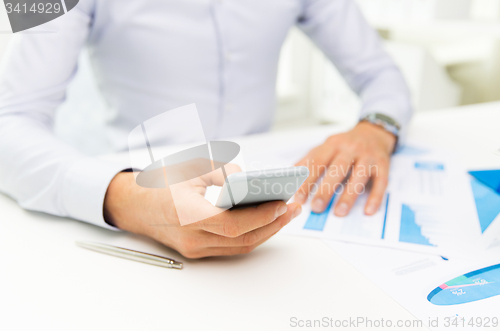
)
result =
(473, 286)
(26, 14)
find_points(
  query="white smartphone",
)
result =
(244, 189)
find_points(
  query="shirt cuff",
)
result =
(84, 189)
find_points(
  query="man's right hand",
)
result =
(151, 212)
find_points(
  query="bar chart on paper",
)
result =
(410, 222)
(418, 212)
(410, 231)
(356, 224)
(317, 221)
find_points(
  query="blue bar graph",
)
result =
(410, 231)
(429, 166)
(385, 216)
(316, 221)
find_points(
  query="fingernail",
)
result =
(318, 206)
(297, 212)
(341, 209)
(371, 209)
(281, 210)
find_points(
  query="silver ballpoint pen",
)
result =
(131, 255)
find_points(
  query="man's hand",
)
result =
(362, 153)
(151, 212)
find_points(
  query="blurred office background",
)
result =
(448, 50)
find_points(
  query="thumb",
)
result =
(217, 177)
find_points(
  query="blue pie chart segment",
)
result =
(473, 286)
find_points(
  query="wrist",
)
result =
(386, 123)
(389, 139)
(118, 201)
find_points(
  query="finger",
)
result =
(317, 162)
(225, 251)
(236, 222)
(217, 177)
(336, 173)
(228, 251)
(380, 180)
(355, 186)
(255, 236)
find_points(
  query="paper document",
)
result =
(428, 207)
(459, 293)
(486, 190)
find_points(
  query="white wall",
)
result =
(312, 91)
(466, 46)
(448, 50)
(416, 10)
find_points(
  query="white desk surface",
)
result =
(48, 283)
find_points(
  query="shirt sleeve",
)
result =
(339, 29)
(39, 171)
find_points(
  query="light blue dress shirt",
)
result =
(151, 56)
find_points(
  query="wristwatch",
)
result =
(385, 122)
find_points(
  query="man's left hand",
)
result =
(363, 153)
